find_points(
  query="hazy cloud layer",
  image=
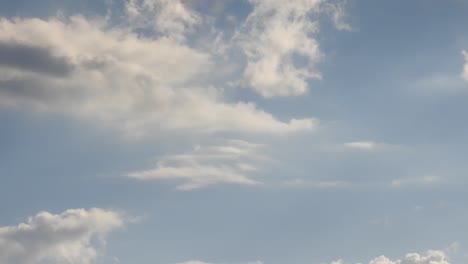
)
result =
(58, 238)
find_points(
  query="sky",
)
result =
(233, 132)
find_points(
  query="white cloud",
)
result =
(58, 238)
(275, 34)
(340, 261)
(229, 163)
(430, 257)
(362, 145)
(169, 17)
(118, 78)
(465, 67)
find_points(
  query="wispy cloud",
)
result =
(229, 163)
(363, 145)
(316, 184)
(415, 181)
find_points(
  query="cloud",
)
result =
(227, 163)
(169, 17)
(362, 145)
(338, 15)
(275, 37)
(31, 58)
(201, 262)
(430, 257)
(111, 74)
(193, 262)
(58, 238)
(465, 67)
(316, 184)
(426, 180)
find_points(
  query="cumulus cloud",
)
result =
(58, 238)
(465, 67)
(113, 75)
(281, 52)
(430, 257)
(230, 163)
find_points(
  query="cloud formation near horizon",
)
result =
(58, 238)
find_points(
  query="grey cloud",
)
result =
(34, 59)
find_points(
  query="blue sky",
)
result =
(233, 132)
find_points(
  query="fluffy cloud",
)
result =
(228, 163)
(58, 238)
(465, 67)
(430, 257)
(111, 74)
(281, 53)
(169, 17)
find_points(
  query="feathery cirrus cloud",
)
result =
(230, 162)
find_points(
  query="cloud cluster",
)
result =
(430, 257)
(147, 73)
(58, 238)
(132, 83)
(230, 162)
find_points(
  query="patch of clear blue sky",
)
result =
(50, 163)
